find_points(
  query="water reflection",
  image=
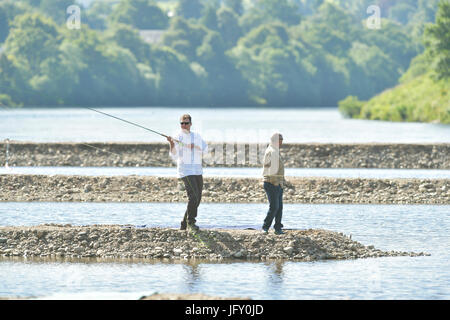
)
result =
(387, 227)
(275, 277)
(192, 275)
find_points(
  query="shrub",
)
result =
(350, 107)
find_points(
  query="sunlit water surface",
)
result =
(321, 125)
(418, 228)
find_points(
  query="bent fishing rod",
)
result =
(129, 122)
(110, 115)
(123, 120)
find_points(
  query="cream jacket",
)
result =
(273, 167)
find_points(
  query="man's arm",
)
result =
(173, 150)
(267, 159)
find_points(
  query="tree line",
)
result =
(423, 90)
(213, 53)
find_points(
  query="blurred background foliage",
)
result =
(227, 53)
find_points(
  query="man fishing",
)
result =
(188, 150)
(188, 153)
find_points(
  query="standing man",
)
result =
(188, 152)
(273, 172)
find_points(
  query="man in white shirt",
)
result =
(188, 150)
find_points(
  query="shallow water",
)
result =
(322, 125)
(418, 228)
(234, 172)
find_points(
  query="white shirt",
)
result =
(189, 161)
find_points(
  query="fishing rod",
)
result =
(7, 141)
(138, 125)
(123, 120)
(120, 119)
(129, 122)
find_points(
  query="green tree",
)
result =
(12, 82)
(6, 100)
(190, 9)
(55, 9)
(267, 11)
(331, 77)
(393, 41)
(185, 37)
(330, 28)
(4, 25)
(285, 11)
(8, 11)
(350, 107)
(32, 39)
(379, 69)
(33, 49)
(225, 84)
(209, 18)
(176, 82)
(34, 3)
(276, 68)
(106, 74)
(235, 5)
(402, 12)
(437, 40)
(141, 14)
(228, 26)
(98, 13)
(128, 37)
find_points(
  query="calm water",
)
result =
(419, 228)
(234, 172)
(387, 227)
(216, 125)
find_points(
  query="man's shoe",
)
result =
(279, 232)
(266, 231)
(192, 227)
(183, 226)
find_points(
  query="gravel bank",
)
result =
(157, 243)
(313, 155)
(225, 190)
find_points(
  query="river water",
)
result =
(251, 125)
(418, 228)
(235, 172)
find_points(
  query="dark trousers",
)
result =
(275, 196)
(194, 188)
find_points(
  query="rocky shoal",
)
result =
(122, 242)
(15, 187)
(308, 155)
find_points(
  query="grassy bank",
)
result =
(421, 99)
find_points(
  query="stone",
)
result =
(238, 254)
(78, 250)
